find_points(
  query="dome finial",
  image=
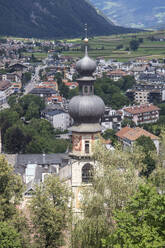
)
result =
(86, 39)
(86, 33)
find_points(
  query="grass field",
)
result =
(106, 46)
(38, 55)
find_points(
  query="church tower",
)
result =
(86, 110)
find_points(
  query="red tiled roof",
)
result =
(122, 132)
(117, 72)
(141, 109)
(134, 133)
(71, 83)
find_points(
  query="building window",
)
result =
(91, 89)
(87, 173)
(86, 89)
(87, 147)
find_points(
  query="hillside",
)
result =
(52, 19)
(133, 13)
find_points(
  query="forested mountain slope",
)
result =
(52, 19)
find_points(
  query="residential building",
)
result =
(147, 93)
(35, 167)
(58, 118)
(43, 92)
(116, 75)
(141, 114)
(6, 87)
(111, 119)
(128, 136)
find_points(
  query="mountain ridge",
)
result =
(53, 19)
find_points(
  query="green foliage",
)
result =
(15, 140)
(50, 212)
(9, 238)
(26, 77)
(127, 122)
(134, 45)
(64, 90)
(153, 128)
(27, 100)
(141, 223)
(158, 175)
(73, 92)
(126, 82)
(12, 100)
(162, 108)
(13, 224)
(146, 143)
(110, 134)
(32, 111)
(10, 190)
(111, 92)
(37, 136)
(118, 47)
(149, 149)
(114, 180)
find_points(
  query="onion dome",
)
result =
(86, 66)
(86, 109)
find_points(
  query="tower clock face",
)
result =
(77, 140)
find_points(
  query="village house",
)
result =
(111, 119)
(59, 118)
(147, 93)
(6, 87)
(71, 85)
(128, 136)
(141, 114)
(116, 75)
(43, 92)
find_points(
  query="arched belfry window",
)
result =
(87, 173)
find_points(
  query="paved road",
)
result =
(34, 80)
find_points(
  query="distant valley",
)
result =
(133, 13)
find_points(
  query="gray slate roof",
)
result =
(58, 158)
(43, 91)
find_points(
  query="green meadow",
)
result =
(106, 46)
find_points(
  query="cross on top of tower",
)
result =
(86, 33)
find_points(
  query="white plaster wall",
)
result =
(61, 121)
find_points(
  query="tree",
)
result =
(146, 143)
(9, 238)
(110, 92)
(127, 82)
(50, 212)
(26, 77)
(73, 92)
(32, 111)
(134, 45)
(127, 122)
(10, 190)
(26, 100)
(14, 140)
(118, 47)
(157, 177)
(141, 223)
(64, 90)
(12, 100)
(148, 148)
(115, 179)
(110, 134)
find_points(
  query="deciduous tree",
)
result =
(115, 179)
(141, 223)
(51, 212)
(9, 238)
